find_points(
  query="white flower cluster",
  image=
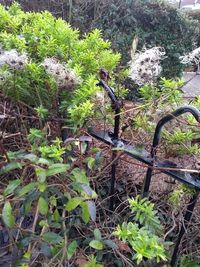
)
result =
(13, 59)
(145, 66)
(65, 78)
(193, 57)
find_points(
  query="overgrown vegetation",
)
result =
(50, 51)
(156, 23)
(54, 188)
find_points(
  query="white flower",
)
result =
(13, 59)
(65, 78)
(193, 57)
(145, 66)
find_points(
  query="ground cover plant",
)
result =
(54, 189)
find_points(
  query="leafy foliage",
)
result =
(155, 23)
(159, 100)
(41, 36)
(92, 263)
(141, 234)
(189, 262)
(52, 202)
(180, 192)
(145, 213)
(50, 180)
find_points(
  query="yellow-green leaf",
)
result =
(71, 249)
(73, 203)
(57, 169)
(43, 206)
(11, 187)
(56, 215)
(96, 244)
(7, 215)
(26, 189)
(85, 212)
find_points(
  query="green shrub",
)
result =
(59, 69)
(155, 23)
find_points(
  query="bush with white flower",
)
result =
(44, 61)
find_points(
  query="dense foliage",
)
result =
(54, 193)
(53, 52)
(195, 15)
(155, 23)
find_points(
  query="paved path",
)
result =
(192, 87)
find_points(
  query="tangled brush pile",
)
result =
(145, 66)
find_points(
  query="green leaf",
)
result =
(56, 215)
(85, 212)
(73, 203)
(55, 225)
(7, 215)
(43, 206)
(41, 175)
(27, 207)
(43, 161)
(42, 187)
(97, 234)
(11, 187)
(90, 162)
(43, 223)
(80, 176)
(87, 189)
(52, 238)
(10, 167)
(26, 189)
(45, 249)
(53, 201)
(26, 241)
(71, 249)
(14, 155)
(57, 169)
(96, 244)
(31, 157)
